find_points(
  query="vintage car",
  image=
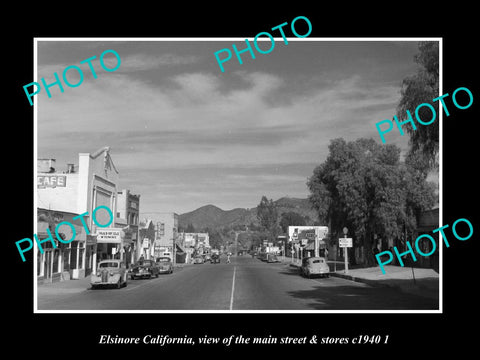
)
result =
(262, 256)
(207, 257)
(314, 266)
(144, 268)
(272, 258)
(164, 264)
(215, 259)
(198, 259)
(109, 273)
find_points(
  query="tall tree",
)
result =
(190, 228)
(420, 88)
(267, 214)
(291, 218)
(363, 185)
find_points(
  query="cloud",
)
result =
(192, 120)
(176, 134)
(144, 62)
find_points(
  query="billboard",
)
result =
(304, 234)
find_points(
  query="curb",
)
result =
(422, 288)
(362, 280)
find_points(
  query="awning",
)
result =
(42, 227)
(66, 231)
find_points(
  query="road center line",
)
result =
(233, 288)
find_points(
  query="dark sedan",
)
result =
(144, 268)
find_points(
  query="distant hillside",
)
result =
(213, 217)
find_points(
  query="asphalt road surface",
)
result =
(244, 284)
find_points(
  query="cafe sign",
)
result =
(51, 181)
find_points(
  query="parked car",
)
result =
(198, 259)
(314, 266)
(215, 259)
(207, 257)
(110, 272)
(272, 258)
(144, 268)
(164, 265)
(168, 254)
(262, 256)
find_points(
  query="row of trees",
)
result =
(364, 186)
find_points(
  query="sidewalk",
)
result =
(422, 282)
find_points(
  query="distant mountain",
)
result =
(213, 217)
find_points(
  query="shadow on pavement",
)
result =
(364, 298)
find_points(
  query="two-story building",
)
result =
(79, 189)
(127, 217)
(166, 233)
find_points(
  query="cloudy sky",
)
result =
(183, 134)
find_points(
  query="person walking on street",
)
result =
(228, 258)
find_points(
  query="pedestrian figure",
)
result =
(228, 258)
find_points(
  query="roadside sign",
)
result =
(345, 242)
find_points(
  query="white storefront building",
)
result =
(80, 189)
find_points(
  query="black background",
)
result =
(410, 334)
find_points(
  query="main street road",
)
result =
(244, 284)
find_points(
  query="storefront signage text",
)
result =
(432, 240)
(57, 235)
(110, 235)
(44, 181)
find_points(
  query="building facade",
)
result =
(127, 217)
(146, 239)
(166, 233)
(79, 189)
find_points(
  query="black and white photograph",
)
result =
(221, 181)
(206, 168)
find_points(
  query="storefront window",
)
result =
(56, 254)
(39, 263)
(81, 252)
(73, 257)
(66, 259)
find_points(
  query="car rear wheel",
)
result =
(119, 283)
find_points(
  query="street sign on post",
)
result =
(345, 241)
